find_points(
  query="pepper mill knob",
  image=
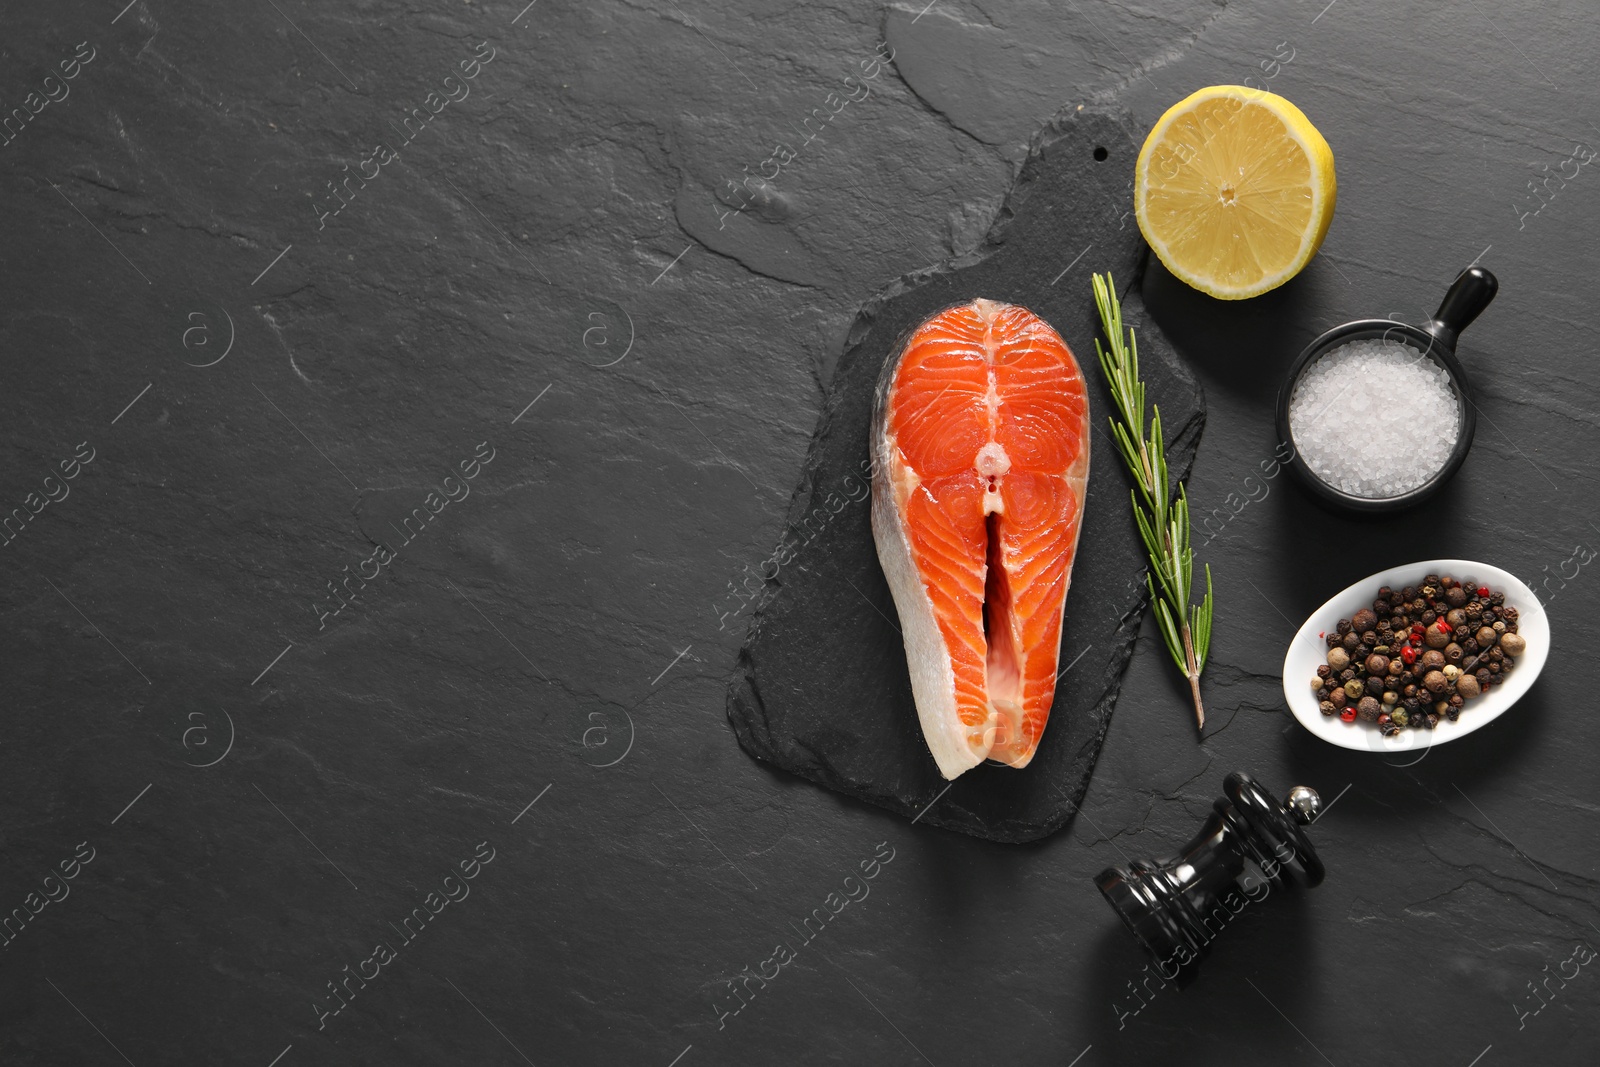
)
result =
(1249, 845)
(1304, 803)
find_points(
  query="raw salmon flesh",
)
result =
(980, 450)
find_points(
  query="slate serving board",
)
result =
(822, 688)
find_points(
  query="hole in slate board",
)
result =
(1100, 153)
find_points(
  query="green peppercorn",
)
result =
(1353, 689)
(1400, 717)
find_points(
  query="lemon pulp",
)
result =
(1234, 190)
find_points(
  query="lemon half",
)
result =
(1234, 190)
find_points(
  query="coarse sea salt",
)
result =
(1374, 419)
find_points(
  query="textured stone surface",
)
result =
(822, 688)
(533, 633)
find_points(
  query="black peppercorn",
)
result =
(1433, 720)
(1484, 677)
(1347, 674)
(1327, 707)
(1497, 599)
(1474, 611)
(1457, 700)
(1469, 647)
(1381, 606)
(1343, 627)
(1428, 618)
(1323, 671)
(1374, 686)
(1509, 614)
(1352, 641)
(1333, 641)
(1453, 714)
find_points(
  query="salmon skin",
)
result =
(980, 458)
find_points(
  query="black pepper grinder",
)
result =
(1249, 846)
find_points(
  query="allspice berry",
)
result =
(1435, 681)
(1485, 636)
(1432, 660)
(1452, 653)
(1455, 596)
(1368, 709)
(1338, 698)
(1338, 658)
(1467, 686)
(1377, 663)
(1363, 620)
(1435, 637)
(1455, 617)
(1513, 644)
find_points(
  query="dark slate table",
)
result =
(287, 281)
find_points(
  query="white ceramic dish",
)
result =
(1308, 651)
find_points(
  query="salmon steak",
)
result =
(980, 464)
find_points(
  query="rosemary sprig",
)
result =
(1162, 519)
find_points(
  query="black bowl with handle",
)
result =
(1469, 294)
